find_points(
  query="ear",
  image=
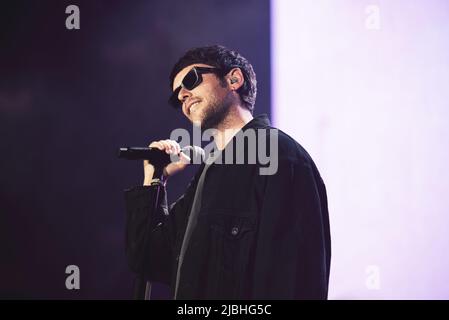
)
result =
(235, 79)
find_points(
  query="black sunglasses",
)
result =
(191, 80)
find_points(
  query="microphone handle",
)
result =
(158, 158)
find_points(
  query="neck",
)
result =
(237, 118)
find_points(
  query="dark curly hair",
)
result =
(224, 59)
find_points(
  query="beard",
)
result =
(215, 113)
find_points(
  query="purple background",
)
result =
(68, 100)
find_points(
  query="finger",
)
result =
(156, 144)
(184, 158)
(173, 146)
(177, 148)
(165, 146)
(168, 145)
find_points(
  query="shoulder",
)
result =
(293, 160)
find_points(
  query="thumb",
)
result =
(183, 158)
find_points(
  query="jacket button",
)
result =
(235, 231)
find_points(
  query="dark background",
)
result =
(68, 100)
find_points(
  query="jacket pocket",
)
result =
(232, 241)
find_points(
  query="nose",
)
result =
(184, 94)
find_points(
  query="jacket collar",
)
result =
(259, 121)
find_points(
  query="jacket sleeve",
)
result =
(292, 257)
(160, 226)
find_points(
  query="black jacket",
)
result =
(257, 236)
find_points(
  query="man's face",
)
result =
(207, 104)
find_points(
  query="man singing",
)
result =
(235, 233)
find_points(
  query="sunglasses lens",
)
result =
(190, 81)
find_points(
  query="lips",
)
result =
(191, 104)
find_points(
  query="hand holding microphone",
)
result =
(163, 158)
(170, 147)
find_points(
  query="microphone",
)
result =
(159, 158)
